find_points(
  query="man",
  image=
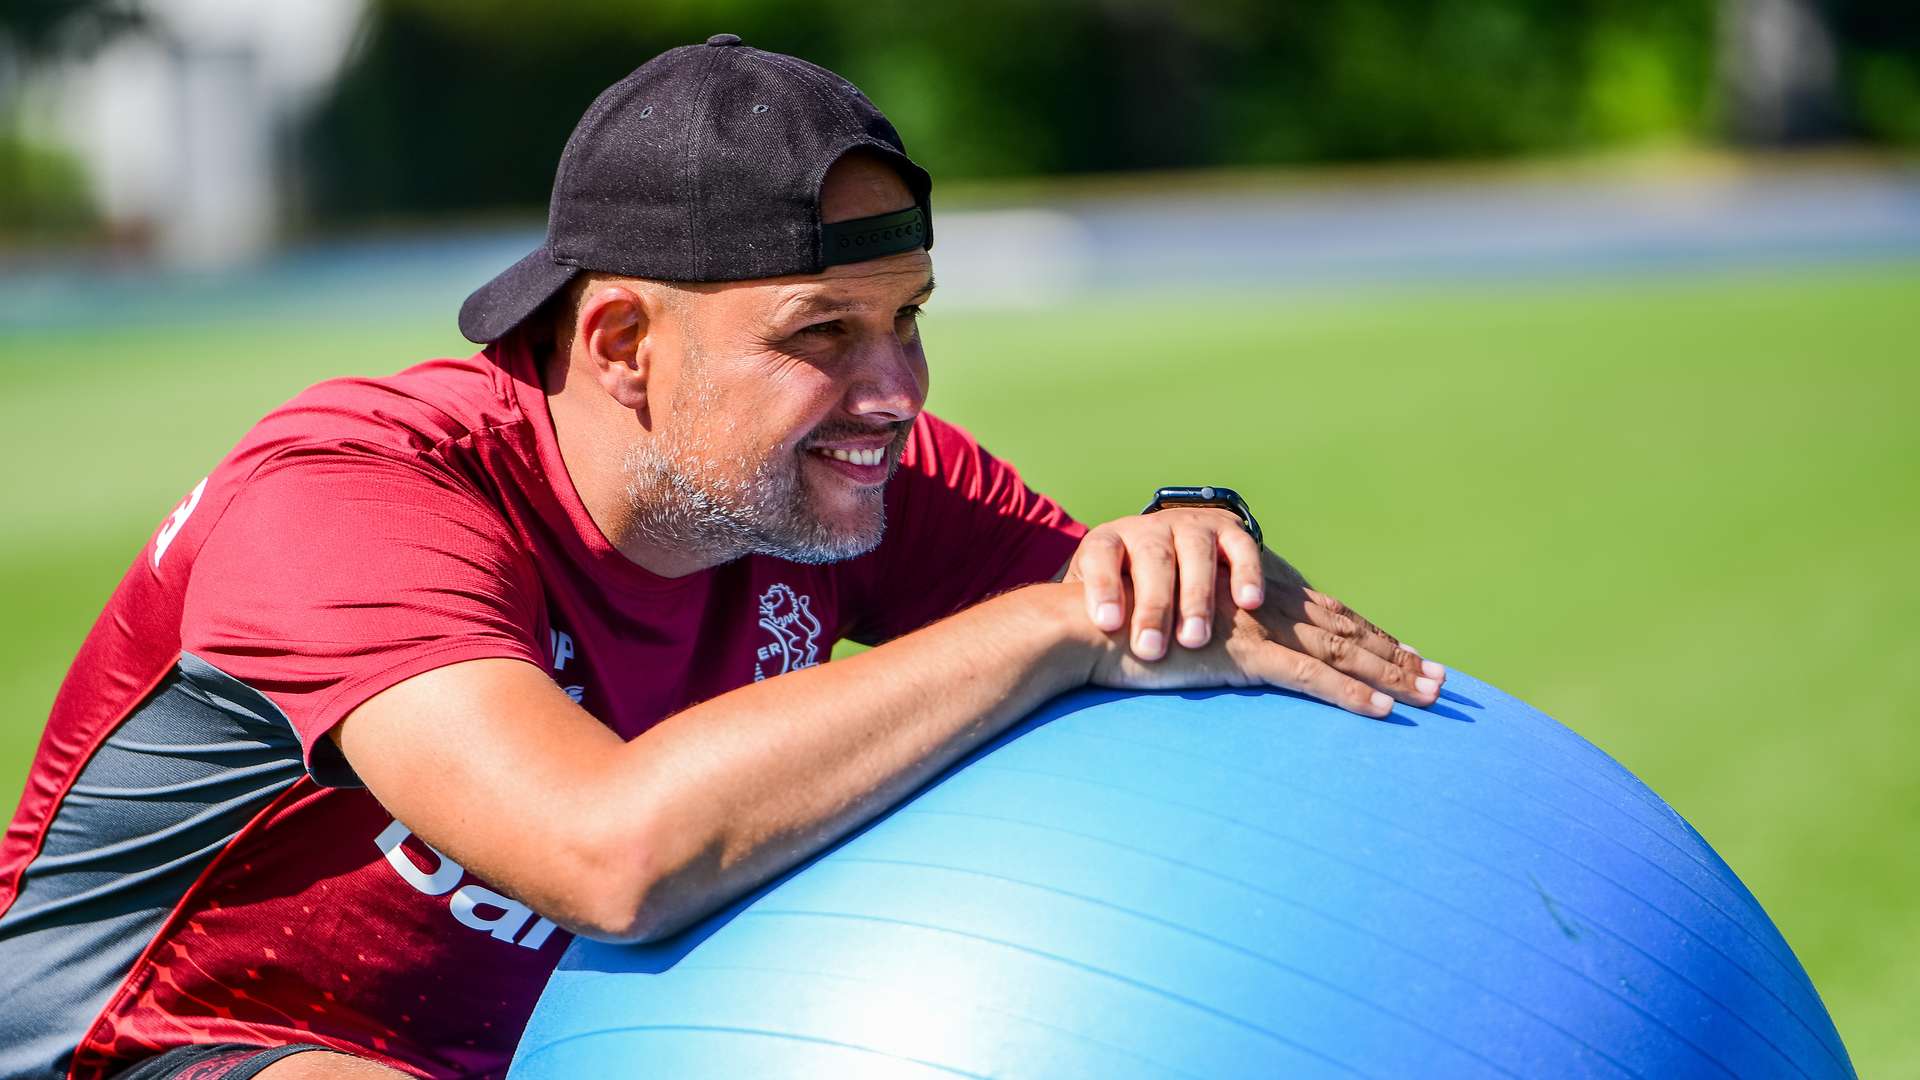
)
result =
(435, 670)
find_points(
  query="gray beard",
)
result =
(683, 495)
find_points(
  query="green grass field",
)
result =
(1680, 514)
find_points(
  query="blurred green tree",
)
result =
(465, 104)
(1880, 66)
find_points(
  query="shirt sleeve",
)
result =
(335, 574)
(961, 526)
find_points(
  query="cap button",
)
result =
(718, 40)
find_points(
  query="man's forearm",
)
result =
(635, 839)
(749, 783)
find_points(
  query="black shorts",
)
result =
(222, 1061)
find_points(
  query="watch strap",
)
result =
(1206, 495)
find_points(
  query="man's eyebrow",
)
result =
(814, 305)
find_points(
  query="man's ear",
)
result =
(614, 327)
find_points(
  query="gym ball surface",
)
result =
(1227, 884)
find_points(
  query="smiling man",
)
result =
(435, 670)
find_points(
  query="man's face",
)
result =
(786, 403)
(786, 411)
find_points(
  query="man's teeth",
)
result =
(858, 457)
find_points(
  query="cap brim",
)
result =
(494, 309)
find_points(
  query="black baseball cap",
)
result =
(705, 164)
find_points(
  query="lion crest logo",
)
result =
(789, 617)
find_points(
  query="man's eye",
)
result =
(830, 329)
(911, 311)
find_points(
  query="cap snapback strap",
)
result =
(873, 237)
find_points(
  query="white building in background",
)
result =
(1779, 70)
(180, 123)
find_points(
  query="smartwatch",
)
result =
(1224, 498)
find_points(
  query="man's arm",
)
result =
(493, 765)
(489, 762)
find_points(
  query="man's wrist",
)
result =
(1073, 644)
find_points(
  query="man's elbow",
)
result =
(630, 892)
(636, 926)
(634, 929)
(630, 915)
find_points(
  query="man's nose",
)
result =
(890, 382)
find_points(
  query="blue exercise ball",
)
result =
(1227, 884)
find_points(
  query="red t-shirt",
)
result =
(367, 531)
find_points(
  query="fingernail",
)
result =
(1381, 701)
(1150, 644)
(1249, 596)
(1426, 686)
(1432, 670)
(1193, 632)
(1410, 648)
(1107, 616)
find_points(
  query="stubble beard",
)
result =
(687, 492)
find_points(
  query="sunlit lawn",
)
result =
(1681, 514)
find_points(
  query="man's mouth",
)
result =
(864, 457)
(874, 456)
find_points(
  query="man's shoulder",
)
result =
(948, 457)
(420, 408)
(935, 446)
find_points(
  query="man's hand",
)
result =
(1171, 561)
(1302, 640)
(1280, 631)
